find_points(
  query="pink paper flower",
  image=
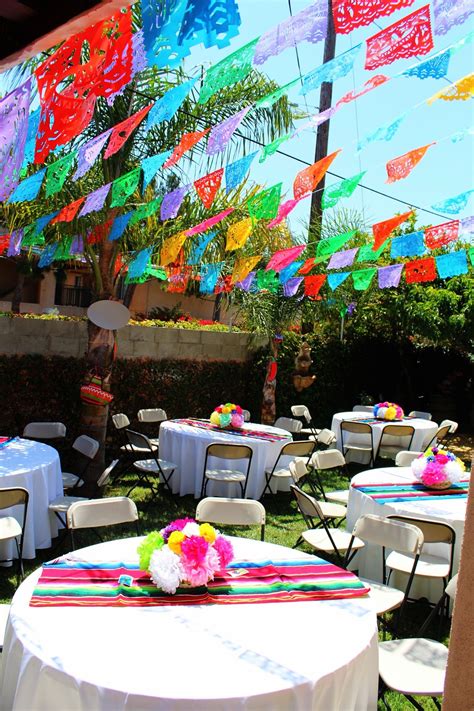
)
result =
(194, 549)
(224, 551)
(199, 572)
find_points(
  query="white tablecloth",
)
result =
(368, 560)
(424, 432)
(186, 446)
(319, 656)
(36, 467)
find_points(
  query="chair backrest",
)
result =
(356, 427)
(307, 504)
(441, 433)
(229, 451)
(105, 476)
(363, 408)
(240, 512)
(298, 470)
(405, 458)
(419, 413)
(398, 430)
(301, 411)
(301, 448)
(101, 512)
(433, 531)
(246, 414)
(13, 496)
(326, 437)
(397, 535)
(87, 446)
(289, 424)
(120, 421)
(156, 414)
(328, 459)
(452, 425)
(137, 439)
(45, 430)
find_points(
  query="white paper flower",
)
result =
(417, 466)
(453, 471)
(191, 529)
(166, 570)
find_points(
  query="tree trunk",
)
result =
(269, 386)
(18, 293)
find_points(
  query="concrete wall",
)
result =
(69, 338)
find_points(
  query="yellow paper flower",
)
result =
(208, 532)
(175, 540)
(391, 413)
(225, 410)
(214, 418)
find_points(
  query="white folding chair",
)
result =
(452, 425)
(441, 434)
(326, 437)
(327, 460)
(420, 414)
(405, 458)
(364, 441)
(363, 408)
(232, 452)
(88, 448)
(156, 414)
(150, 470)
(302, 411)
(289, 424)
(390, 441)
(44, 430)
(333, 512)
(96, 513)
(10, 529)
(246, 415)
(302, 449)
(237, 512)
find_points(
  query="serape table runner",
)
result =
(410, 491)
(81, 584)
(377, 421)
(254, 434)
(5, 441)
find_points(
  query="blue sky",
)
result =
(446, 169)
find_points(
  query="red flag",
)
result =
(349, 14)
(307, 180)
(443, 234)
(408, 37)
(401, 167)
(188, 140)
(372, 83)
(307, 266)
(121, 131)
(68, 213)
(420, 270)
(312, 285)
(99, 232)
(381, 230)
(208, 186)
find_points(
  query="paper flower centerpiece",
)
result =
(184, 552)
(437, 468)
(228, 415)
(388, 411)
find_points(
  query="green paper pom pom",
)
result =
(153, 542)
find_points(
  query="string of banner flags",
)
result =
(64, 115)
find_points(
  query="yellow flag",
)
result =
(460, 90)
(238, 234)
(243, 267)
(171, 247)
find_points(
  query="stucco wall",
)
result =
(69, 338)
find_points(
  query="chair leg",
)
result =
(415, 703)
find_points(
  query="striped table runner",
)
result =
(88, 584)
(410, 491)
(5, 441)
(254, 434)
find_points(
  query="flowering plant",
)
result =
(184, 552)
(437, 468)
(228, 415)
(388, 411)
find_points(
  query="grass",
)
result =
(284, 524)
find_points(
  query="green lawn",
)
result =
(284, 524)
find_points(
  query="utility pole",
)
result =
(322, 135)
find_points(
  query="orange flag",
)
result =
(381, 230)
(69, 212)
(208, 186)
(188, 140)
(307, 180)
(402, 166)
(170, 248)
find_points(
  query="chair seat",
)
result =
(62, 503)
(140, 450)
(331, 510)
(70, 480)
(279, 473)
(309, 431)
(390, 452)
(149, 465)
(413, 666)
(231, 475)
(341, 497)
(9, 528)
(319, 539)
(359, 447)
(383, 597)
(429, 566)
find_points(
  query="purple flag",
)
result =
(246, 283)
(308, 25)
(448, 13)
(342, 259)
(222, 132)
(95, 201)
(14, 109)
(390, 276)
(172, 202)
(466, 226)
(77, 245)
(88, 153)
(290, 287)
(15, 243)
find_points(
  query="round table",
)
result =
(424, 433)
(281, 656)
(185, 446)
(35, 467)
(368, 560)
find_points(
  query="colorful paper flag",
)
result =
(283, 211)
(460, 90)
(233, 68)
(28, 189)
(199, 248)
(326, 247)
(283, 257)
(342, 259)
(389, 277)
(123, 130)
(420, 270)
(401, 167)
(408, 245)
(165, 108)
(57, 173)
(343, 189)
(441, 235)
(267, 281)
(264, 205)
(120, 225)
(207, 186)
(367, 254)
(313, 284)
(362, 278)
(382, 230)
(172, 202)
(335, 280)
(454, 205)
(289, 271)
(235, 172)
(435, 67)
(139, 263)
(411, 36)
(350, 14)
(291, 286)
(14, 109)
(453, 264)
(95, 201)
(210, 222)
(188, 140)
(209, 276)
(171, 247)
(309, 178)
(88, 154)
(69, 212)
(449, 13)
(238, 234)
(243, 267)
(152, 165)
(222, 132)
(125, 186)
(330, 71)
